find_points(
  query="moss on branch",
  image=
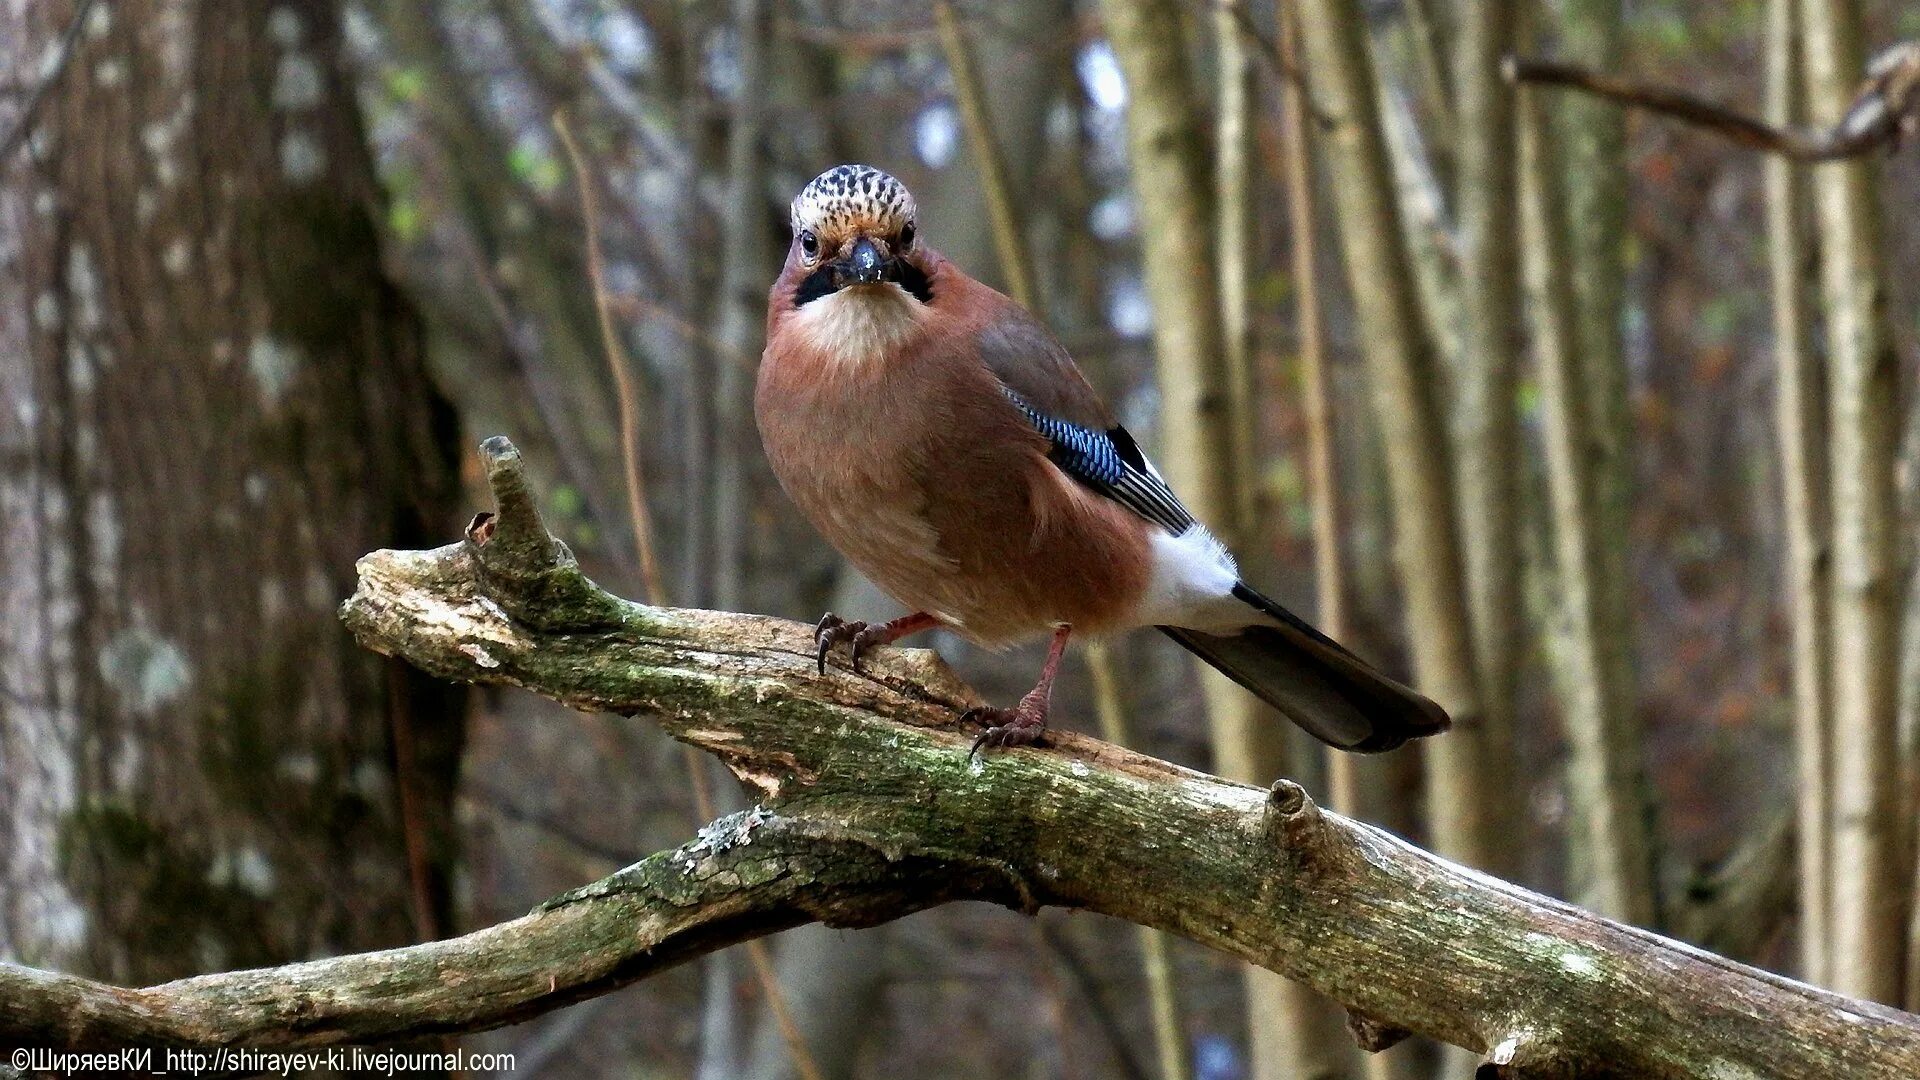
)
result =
(870, 808)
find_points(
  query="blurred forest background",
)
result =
(1620, 394)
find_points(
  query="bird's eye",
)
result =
(906, 236)
(809, 243)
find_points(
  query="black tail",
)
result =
(1315, 682)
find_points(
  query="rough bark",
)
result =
(870, 807)
(223, 400)
(1468, 796)
(1868, 886)
(1800, 416)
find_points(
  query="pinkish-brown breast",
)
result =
(914, 465)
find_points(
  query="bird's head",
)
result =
(853, 227)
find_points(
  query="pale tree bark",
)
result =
(1431, 244)
(1236, 225)
(1168, 152)
(1868, 886)
(1595, 140)
(1800, 415)
(844, 767)
(1358, 785)
(222, 398)
(1346, 777)
(1486, 421)
(1469, 795)
(1605, 773)
(1593, 136)
(1003, 215)
(1205, 397)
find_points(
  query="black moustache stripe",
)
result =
(822, 283)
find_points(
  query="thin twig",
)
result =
(1885, 110)
(69, 41)
(620, 365)
(632, 305)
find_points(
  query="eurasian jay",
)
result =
(938, 435)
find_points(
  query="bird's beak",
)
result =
(865, 265)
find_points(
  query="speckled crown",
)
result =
(852, 196)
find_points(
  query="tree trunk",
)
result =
(1594, 137)
(226, 402)
(739, 324)
(1486, 419)
(1868, 887)
(1605, 774)
(1800, 414)
(1467, 790)
(1205, 401)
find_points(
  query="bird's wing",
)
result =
(1042, 382)
(1110, 463)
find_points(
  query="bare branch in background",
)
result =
(1885, 109)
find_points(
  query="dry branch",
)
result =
(870, 809)
(1885, 110)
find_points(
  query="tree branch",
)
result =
(870, 809)
(1885, 110)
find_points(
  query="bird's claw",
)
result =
(832, 630)
(1023, 725)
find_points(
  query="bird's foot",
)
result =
(1023, 725)
(831, 631)
(862, 636)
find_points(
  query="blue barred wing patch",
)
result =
(1110, 463)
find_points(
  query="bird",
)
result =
(938, 435)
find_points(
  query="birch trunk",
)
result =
(1868, 888)
(1800, 414)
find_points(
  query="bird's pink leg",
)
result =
(1027, 721)
(833, 629)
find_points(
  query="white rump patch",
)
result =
(860, 323)
(1191, 585)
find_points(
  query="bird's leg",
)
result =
(833, 629)
(1027, 721)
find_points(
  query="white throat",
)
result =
(858, 325)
